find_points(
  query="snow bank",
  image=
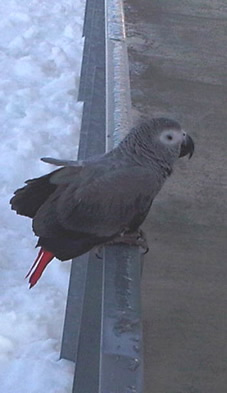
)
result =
(40, 57)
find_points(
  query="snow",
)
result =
(40, 58)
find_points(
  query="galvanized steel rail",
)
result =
(103, 328)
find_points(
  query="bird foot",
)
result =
(137, 238)
(131, 239)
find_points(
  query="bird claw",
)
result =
(132, 239)
(98, 253)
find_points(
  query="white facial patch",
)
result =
(171, 137)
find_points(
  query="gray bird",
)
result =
(88, 203)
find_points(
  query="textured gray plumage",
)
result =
(88, 203)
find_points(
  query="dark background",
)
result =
(178, 68)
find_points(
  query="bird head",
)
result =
(157, 142)
(164, 138)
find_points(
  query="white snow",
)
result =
(40, 57)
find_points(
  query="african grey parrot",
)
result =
(89, 203)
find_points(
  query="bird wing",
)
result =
(110, 203)
(28, 199)
(60, 162)
(41, 196)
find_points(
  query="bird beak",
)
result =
(187, 147)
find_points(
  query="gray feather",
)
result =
(110, 204)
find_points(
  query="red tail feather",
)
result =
(42, 260)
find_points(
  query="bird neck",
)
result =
(137, 152)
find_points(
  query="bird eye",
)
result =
(169, 137)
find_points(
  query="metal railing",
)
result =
(103, 328)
